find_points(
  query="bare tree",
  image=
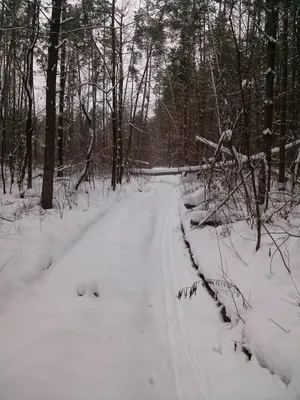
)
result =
(284, 89)
(270, 33)
(114, 115)
(50, 133)
(28, 83)
(61, 116)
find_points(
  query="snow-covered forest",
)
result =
(150, 199)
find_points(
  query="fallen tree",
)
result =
(165, 171)
(242, 157)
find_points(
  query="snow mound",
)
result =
(259, 295)
(195, 198)
(35, 240)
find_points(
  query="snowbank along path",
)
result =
(103, 323)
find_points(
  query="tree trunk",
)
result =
(49, 157)
(134, 108)
(185, 122)
(284, 87)
(114, 117)
(61, 117)
(3, 145)
(84, 173)
(270, 30)
(120, 107)
(29, 88)
(104, 99)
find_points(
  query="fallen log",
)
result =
(164, 171)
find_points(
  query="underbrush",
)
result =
(259, 288)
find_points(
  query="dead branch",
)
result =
(279, 326)
(89, 151)
(278, 248)
(243, 158)
(205, 219)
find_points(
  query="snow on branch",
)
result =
(287, 146)
(267, 131)
(243, 158)
(226, 136)
(269, 38)
(212, 213)
(65, 21)
(225, 150)
(61, 44)
(269, 71)
(139, 162)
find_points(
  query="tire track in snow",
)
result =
(171, 339)
(178, 333)
(202, 380)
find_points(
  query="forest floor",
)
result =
(94, 315)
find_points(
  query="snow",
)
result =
(62, 42)
(135, 340)
(268, 102)
(195, 198)
(269, 71)
(272, 326)
(67, 20)
(164, 170)
(140, 162)
(241, 157)
(226, 136)
(267, 132)
(37, 239)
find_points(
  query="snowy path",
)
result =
(134, 342)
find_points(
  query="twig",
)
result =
(278, 248)
(279, 326)
(6, 219)
(3, 266)
(205, 219)
(285, 239)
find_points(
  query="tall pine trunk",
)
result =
(114, 116)
(29, 87)
(120, 108)
(284, 87)
(61, 117)
(271, 31)
(49, 157)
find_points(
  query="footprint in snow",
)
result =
(89, 286)
(217, 348)
(152, 379)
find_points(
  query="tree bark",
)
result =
(29, 88)
(114, 117)
(120, 108)
(49, 157)
(284, 87)
(61, 117)
(84, 173)
(270, 31)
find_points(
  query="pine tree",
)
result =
(50, 133)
